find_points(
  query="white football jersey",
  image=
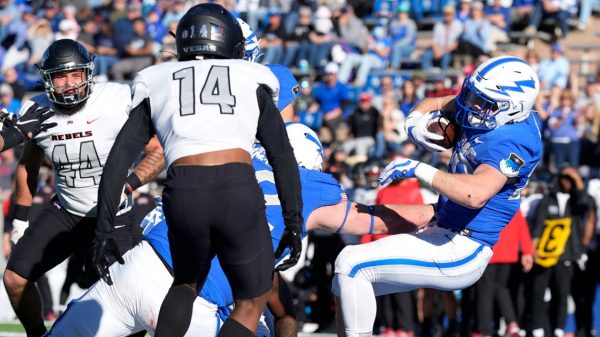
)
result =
(203, 105)
(79, 145)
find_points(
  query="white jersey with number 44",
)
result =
(202, 106)
(80, 143)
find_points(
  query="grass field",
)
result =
(13, 329)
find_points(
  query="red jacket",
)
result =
(408, 191)
(515, 234)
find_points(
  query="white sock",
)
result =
(357, 300)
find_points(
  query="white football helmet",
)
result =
(252, 49)
(501, 90)
(307, 147)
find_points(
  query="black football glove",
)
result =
(18, 130)
(292, 239)
(106, 251)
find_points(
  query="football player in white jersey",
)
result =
(88, 119)
(207, 123)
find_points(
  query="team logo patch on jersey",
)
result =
(510, 166)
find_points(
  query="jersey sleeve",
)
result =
(266, 78)
(272, 134)
(139, 90)
(131, 140)
(512, 155)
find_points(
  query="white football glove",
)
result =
(19, 227)
(416, 129)
(399, 168)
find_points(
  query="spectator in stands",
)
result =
(138, 53)
(378, 55)
(585, 11)
(498, 14)
(331, 97)
(556, 9)
(297, 43)
(492, 287)
(8, 12)
(475, 38)
(11, 77)
(168, 47)
(533, 58)
(464, 11)
(563, 132)
(409, 97)
(107, 53)
(352, 31)
(88, 34)
(558, 227)
(7, 98)
(403, 32)
(123, 26)
(522, 11)
(323, 38)
(386, 88)
(39, 38)
(554, 74)
(439, 88)
(155, 27)
(364, 123)
(174, 12)
(271, 42)
(445, 40)
(67, 29)
(391, 136)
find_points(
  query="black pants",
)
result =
(584, 294)
(492, 288)
(558, 278)
(219, 210)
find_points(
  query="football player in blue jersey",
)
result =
(132, 303)
(497, 149)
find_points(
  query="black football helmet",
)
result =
(210, 31)
(66, 55)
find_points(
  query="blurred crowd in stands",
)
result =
(361, 66)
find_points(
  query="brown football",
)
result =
(441, 125)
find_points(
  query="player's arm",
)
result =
(359, 219)
(26, 174)
(148, 168)
(272, 135)
(26, 179)
(470, 190)
(427, 105)
(133, 137)
(281, 305)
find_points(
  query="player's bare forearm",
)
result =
(435, 103)
(26, 174)
(387, 219)
(470, 190)
(153, 162)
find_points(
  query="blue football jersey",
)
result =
(318, 190)
(513, 149)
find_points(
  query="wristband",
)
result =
(425, 173)
(22, 212)
(132, 183)
(348, 204)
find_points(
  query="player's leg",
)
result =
(245, 251)
(206, 320)
(50, 239)
(433, 258)
(189, 212)
(139, 285)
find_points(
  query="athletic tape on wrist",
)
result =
(425, 173)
